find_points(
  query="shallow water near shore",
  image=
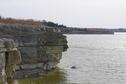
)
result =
(55, 77)
(98, 59)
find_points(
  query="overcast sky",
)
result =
(76, 13)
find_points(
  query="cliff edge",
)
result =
(28, 51)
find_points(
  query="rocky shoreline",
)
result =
(28, 51)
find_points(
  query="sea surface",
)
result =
(96, 59)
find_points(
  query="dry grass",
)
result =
(20, 21)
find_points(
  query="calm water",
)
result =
(99, 59)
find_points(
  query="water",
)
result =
(99, 59)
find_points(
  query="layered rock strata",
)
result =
(37, 49)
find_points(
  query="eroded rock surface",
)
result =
(28, 51)
(9, 57)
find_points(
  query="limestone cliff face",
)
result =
(35, 49)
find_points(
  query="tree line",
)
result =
(52, 24)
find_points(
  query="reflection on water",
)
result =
(57, 76)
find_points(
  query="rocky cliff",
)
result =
(28, 51)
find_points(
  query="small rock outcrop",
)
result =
(73, 67)
(28, 51)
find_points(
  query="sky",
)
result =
(73, 13)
